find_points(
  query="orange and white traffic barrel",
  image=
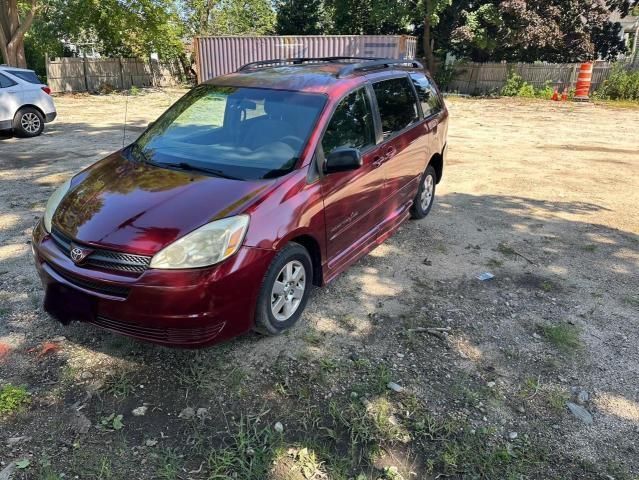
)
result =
(584, 81)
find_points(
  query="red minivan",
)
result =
(249, 189)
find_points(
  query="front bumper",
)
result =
(178, 308)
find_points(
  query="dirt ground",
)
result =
(543, 195)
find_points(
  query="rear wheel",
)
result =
(285, 290)
(28, 122)
(423, 201)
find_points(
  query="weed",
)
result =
(632, 301)
(105, 472)
(120, 384)
(328, 365)
(505, 249)
(112, 422)
(314, 338)
(13, 399)
(547, 286)
(530, 387)
(249, 453)
(347, 322)
(563, 336)
(382, 377)
(169, 465)
(556, 400)
(589, 248)
(494, 263)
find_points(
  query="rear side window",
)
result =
(428, 96)
(351, 125)
(6, 81)
(27, 76)
(397, 104)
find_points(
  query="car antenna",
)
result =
(126, 111)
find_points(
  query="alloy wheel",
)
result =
(288, 290)
(30, 123)
(427, 192)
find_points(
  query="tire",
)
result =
(271, 316)
(28, 122)
(422, 203)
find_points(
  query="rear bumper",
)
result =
(178, 308)
(50, 117)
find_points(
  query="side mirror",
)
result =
(343, 159)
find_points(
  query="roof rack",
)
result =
(298, 61)
(377, 64)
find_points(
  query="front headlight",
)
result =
(205, 246)
(53, 203)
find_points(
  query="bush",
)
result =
(513, 85)
(621, 85)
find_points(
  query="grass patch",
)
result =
(119, 384)
(249, 453)
(563, 336)
(13, 399)
(505, 249)
(591, 247)
(314, 338)
(494, 263)
(556, 400)
(632, 301)
(169, 465)
(547, 286)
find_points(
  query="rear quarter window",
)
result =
(397, 104)
(27, 76)
(428, 97)
(6, 81)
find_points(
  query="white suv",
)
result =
(25, 102)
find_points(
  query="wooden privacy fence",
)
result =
(92, 75)
(485, 78)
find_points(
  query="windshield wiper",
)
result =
(193, 168)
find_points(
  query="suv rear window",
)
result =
(27, 76)
(351, 124)
(397, 104)
(428, 96)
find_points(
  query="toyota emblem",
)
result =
(78, 254)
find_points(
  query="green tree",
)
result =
(15, 20)
(431, 11)
(229, 17)
(530, 30)
(368, 17)
(299, 17)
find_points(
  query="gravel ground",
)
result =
(542, 195)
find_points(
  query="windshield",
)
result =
(244, 133)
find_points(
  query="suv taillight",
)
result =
(46, 90)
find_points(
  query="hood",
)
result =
(140, 208)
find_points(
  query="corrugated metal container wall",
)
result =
(221, 55)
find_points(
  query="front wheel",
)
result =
(28, 122)
(285, 290)
(423, 201)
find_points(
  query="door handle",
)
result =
(378, 161)
(390, 153)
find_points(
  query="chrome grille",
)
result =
(104, 259)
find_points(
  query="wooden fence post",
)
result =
(46, 65)
(86, 73)
(121, 73)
